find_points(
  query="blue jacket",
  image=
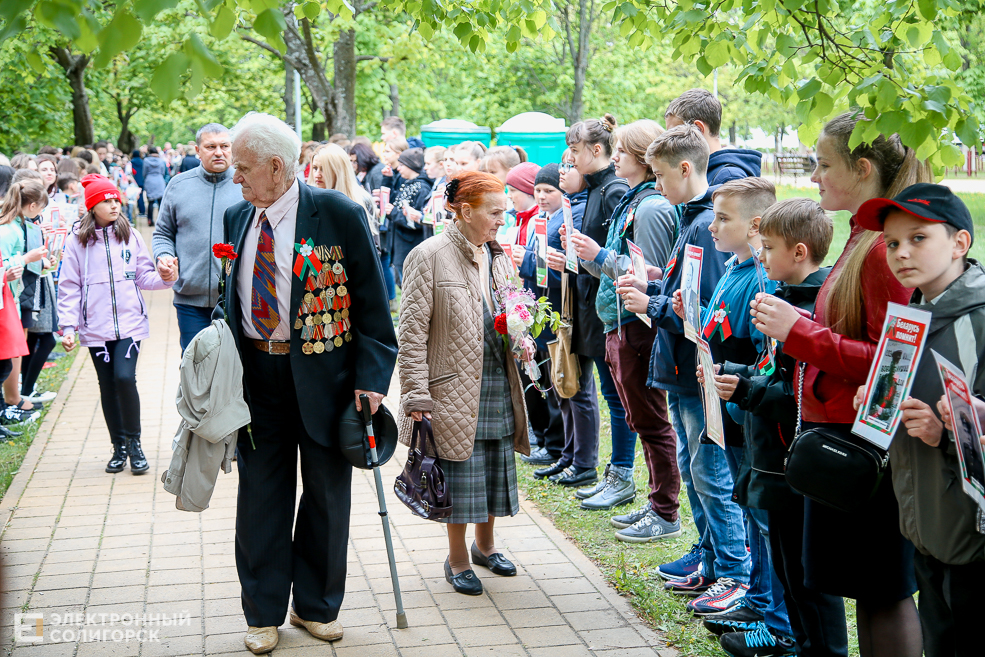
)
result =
(672, 363)
(653, 230)
(733, 164)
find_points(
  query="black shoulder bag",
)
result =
(831, 465)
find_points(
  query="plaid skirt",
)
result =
(484, 484)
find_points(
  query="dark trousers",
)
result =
(39, 346)
(269, 559)
(191, 320)
(116, 370)
(646, 412)
(817, 619)
(6, 367)
(951, 606)
(544, 412)
(580, 413)
(620, 431)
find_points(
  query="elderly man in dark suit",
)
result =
(307, 304)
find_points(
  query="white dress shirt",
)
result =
(282, 215)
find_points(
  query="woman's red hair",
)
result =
(470, 187)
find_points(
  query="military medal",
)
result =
(307, 348)
(345, 313)
(309, 298)
(319, 348)
(337, 316)
(317, 320)
(342, 291)
(338, 341)
(298, 324)
(309, 321)
(348, 336)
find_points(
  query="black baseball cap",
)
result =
(932, 202)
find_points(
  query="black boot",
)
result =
(138, 462)
(119, 458)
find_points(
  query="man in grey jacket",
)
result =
(190, 222)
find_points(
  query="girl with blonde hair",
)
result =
(331, 168)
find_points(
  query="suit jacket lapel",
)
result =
(242, 226)
(306, 226)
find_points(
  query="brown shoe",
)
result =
(324, 631)
(261, 640)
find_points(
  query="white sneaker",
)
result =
(41, 397)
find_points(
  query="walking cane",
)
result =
(368, 419)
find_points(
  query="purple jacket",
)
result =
(99, 288)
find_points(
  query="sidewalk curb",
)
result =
(16, 489)
(594, 574)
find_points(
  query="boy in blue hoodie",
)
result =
(679, 158)
(727, 326)
(701, 108)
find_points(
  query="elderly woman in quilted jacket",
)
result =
(455, 371)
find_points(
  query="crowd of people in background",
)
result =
(770, 569)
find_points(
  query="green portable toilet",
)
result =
(448, 132)
(539, 134)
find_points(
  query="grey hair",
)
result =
(267, 136)
(209, 129)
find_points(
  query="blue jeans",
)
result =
(765, 593)
(191, 320)
(707, 473)
(623, 438)
(391, 285)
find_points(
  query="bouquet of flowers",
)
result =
(522, 317)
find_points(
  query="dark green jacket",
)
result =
(935, 513)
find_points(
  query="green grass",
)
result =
(12, 451)
(631, 569)
(975, 203)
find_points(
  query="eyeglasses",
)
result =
(565, 167)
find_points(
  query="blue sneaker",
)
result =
(758, 642)
(683, 567)
(693, 585)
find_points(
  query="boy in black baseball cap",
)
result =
(928, 231)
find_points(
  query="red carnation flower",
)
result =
(224, 251)
(500, 324)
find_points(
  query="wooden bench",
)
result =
(795, 165)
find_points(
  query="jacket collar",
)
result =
(601, 176)
(215, 178)
(466, 247)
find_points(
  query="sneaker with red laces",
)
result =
(724, 595)
(694, 584)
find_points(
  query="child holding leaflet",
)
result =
(795, 236)
(928, 231)
(679, 158)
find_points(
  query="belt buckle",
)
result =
(271, 350)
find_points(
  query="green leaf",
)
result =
(270, 24)
(462, 30)
(823, 104)
(197, 52)
(89, 40)
(915, 133)
(928, 9)
(890, 122)
(539, 18)
(166, 82)
(426, 31)
(703, 66)
(148, 9)
(717, 54)
(223, 24)
(952, 155)
(886, 96)
(58, 16)
(934, 106)
(311, 10)
(13, 28)
(34, 59)
(967, 130)
(121, 34)
(809, 89)
(953, 60)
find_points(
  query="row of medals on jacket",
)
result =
(323, 317)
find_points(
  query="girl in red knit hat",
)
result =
(104, 267)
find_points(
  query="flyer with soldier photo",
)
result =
(638, 270)
(967, 429)
(714, 425)
(691, 292)
(891, 375)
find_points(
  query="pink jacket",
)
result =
(99, 288)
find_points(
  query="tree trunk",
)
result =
(127, 141)
(303, 56)
(394, 100)
(318, 131)
(580, 60)
(732, 133)
(289, 118)
(75, 68)
(344, 62)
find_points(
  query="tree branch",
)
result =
(266, 46)
(366, 58)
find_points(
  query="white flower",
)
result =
(306, 250)
(515, 324)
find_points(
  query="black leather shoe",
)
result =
(549, 471)
(138, 462)
(464, 582)
(539, 456)
(572, 476)
(495, 562)
(119, 458)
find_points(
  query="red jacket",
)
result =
(12, 340)
(835, 365)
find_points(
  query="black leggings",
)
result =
(39, 346)
(116, 369)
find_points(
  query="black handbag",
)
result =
(832, 466)
(421, 486)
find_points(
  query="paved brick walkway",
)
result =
(80, 540)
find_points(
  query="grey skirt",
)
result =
(484, 484)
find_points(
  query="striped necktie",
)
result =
(264, 297)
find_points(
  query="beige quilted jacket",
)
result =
(440, 339)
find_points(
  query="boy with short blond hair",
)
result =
(795, 236)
